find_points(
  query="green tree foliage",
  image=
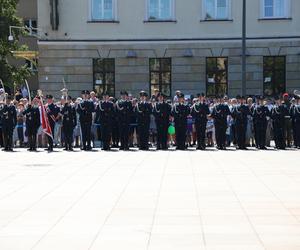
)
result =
(10, 73)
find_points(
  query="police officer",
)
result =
(162, 112)
(104, 117)
(295, 114)
(260, 118)
(69, 121)
(180, 113)
(240, 114)
(9, 121)
(200, 112)
(52, 113)
(85, 110)
(124, 111)
(33, 122)
(220, 113)
(278, 120)
(143, 110)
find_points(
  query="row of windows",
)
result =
(160, 75)
(106, 10)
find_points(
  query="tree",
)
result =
(9, 73)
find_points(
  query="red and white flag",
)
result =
(44, 120)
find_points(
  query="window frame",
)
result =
(273, 69)
(160, 72)
(206, 76)
(147, 16)
(114, 12)
(33, 28)
(228, 4)
(104, 72)
(287, 11)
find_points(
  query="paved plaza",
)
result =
(213, 200)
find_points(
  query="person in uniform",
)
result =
(180, 113)
(33, 122)
(278, 120)
(69, 121)
(287, 119)
(200, 112)
(114, 125)
(220, 113)
(85, 110)
(9, 121)
(162, 111)
(52, 113)
(260, 116)
(295, 114)
(240, 114)
(104, 117)
(124, 111)
(143, 110)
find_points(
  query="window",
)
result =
(216, 9)
(31, 23)
(103, 10)
(274, 75)
(160, 75)
(275, 8)
(104, 76)
(32, 65)
(216, 76)
(160, 9)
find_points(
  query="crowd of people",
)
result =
(145, 122)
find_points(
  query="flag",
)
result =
(45, 122)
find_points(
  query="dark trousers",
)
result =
(124, 135)
(260, 134)
(106, 136)
(278, 129)
(1, 138)
(115, 135)
(297, 133)
(180, 130)
(162, 135)
(68, 135)
(143, 132)
(221, 134)
(86, 135)
(7, 137)
(240, 131)
(31, 133)
(20, 135)
(200, 131)
(50, 139)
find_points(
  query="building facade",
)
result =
(189, 45)
(27, 10)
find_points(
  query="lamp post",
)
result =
(244, 28)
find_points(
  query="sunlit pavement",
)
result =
(191, 200)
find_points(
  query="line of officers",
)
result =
(108, 112)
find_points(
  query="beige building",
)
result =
(191, 45)
(27, 10)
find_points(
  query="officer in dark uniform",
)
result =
(104, 117)
(114, 126)
(124, 111)
(260, 115)
(33, 122)
(162, 112)
(85, 110)
(278, 118)
(295, 114)
(180, 113)
(240, 114)
(200, 112)
(143, 110)
(9, 121)
(52, 113)
(69, 122)
(220, 113)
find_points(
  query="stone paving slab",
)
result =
(212, 200)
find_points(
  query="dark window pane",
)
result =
(210, 64)
(210, 91)
(166, 78)
(109, 78)
(154, 64)
(166, 64)
(166, 89)
(109, 65)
